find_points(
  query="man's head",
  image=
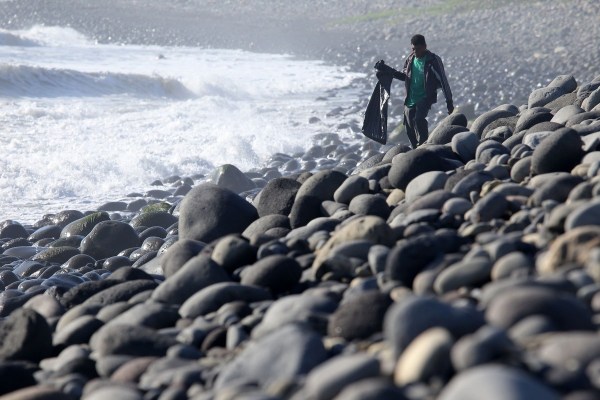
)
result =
(419, 46)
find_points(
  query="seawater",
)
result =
(82, 123)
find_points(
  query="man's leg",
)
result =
(421, 126)
(409, 125)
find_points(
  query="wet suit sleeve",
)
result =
(391, 71)
(438, 68)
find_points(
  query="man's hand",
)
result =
(450, 108)
(379, 64)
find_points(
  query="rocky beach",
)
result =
(467, 268)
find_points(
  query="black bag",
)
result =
(375, 123)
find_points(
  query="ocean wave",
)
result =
(30, 81)
(42, 35)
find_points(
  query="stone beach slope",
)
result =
(469, 265)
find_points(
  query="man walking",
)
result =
(423, 74)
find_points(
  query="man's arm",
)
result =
(383, 67)
(438, 69)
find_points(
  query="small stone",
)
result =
(359, 317)
(25, 335)
(350, 188)
(130, 340)
(277, 273)
(196, 274)
(499, 383)
(328, 379)
(108, 238)
(261, 361)
(426, 357)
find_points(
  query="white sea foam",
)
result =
(83, 123)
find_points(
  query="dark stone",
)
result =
(83, 226)
(129, 273)
(557, 189)
(277, 273)
(465, 144)
(371, 389)
(369, 204)
(559, 152)
(209, 212)
(466, 273)
(489, 207)
(409, 257)
(16, 375)
(45, 232)
(232, 252)
(444, 135)
(497, 380)
(78, 331)
(419, 161)
(277, 197)
(131, 340)
(108, 238)
(487, 118)
(78, 294)
(321, 185)
(196, 274)
(304, 210)
(563, 309)
(261, 361)
(521, 169)
(113, 263)
(360, 316)
(180, 253)
(58, 255)
(531, 117)
(25, 335)
(12, 230)
(149, 314)
(332, 376)
(413, 315)
(263, 224)
(213, 297)
(121, 292)
(154, 218)
(473, 182)
(434, 200)
(352, 187)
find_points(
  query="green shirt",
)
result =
(417, 82)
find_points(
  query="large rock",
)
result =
(541, 97)
(196, 274)
(465, 144)
(286, 354)
(413, 315)
(178, 254)
(352, 187)
(425, 183)
(109, 238)
(209, 212)
(10, 229)
(84, 225)
(368, 227)
(277, 273)
(230, 177)
(329, 378)
(322, 185)
(154, 218)
(25, 335)
(213, 297)
(130, 340)
(414, 163)
(564, 310)
(444, 135)
(277, 197)
(359, 317)
(496, 382)
(561, 151)
(488, 117)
